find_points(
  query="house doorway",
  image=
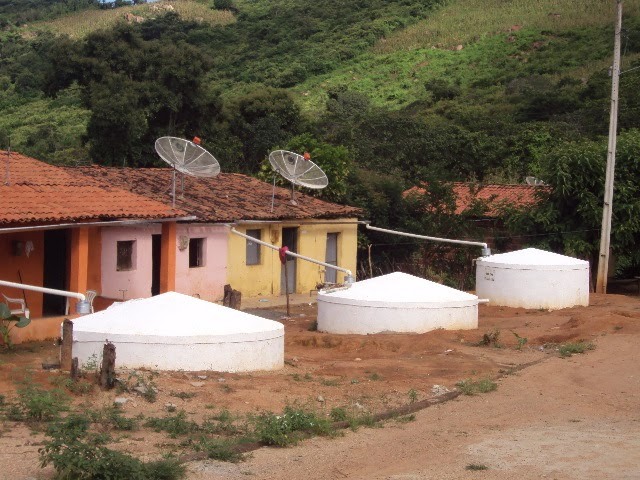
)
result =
(289, 239)
(156, 255)
(56, 248)
(331, 257)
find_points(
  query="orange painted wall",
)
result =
(39, 329)
(94, 281)
(30, 267)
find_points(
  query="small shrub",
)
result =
(471, 387)
(285, 429)
(183, 395)
(569, 349)
(221, 450)
(329, 383)
(221, 424)
(338, 414)
(522, 341)
(491, 338)
(78, 454)
(174, 425)
(375, 377)
(111, 417)
(476, 466)
(37, 404)
(413, 395)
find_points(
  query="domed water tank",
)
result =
(533, 278)
(397, 302)
(173, 331)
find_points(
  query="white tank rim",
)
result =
(533, 259)
(399, 288)
(401, 305)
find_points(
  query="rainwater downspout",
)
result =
(486, 251)
(81, 307)
(349, 279)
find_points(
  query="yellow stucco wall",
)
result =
(264, 279)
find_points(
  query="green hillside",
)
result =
(385, 94)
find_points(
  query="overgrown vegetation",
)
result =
(384, 96)
(472, 387)
(568, 349)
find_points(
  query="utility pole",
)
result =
(605, 234)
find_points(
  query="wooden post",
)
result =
(66, 351)
(75, 371)
(108, 367)
(232, 298)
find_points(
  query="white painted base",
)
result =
(247, 356)
(361, 319)
(549, 289)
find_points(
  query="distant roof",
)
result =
(493, 196)
(225, 198)
(36, 192)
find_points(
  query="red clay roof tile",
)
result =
(225, 198)
(493, 196)
(36, 192)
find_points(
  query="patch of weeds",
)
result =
(296, 377)
(209, 406)
(490, 339)
(338, 414)
(288, 428)
(37, 404)
(142, 383)
(354, 381)
(568, 349)
(92, 364)
(183, 395)
(226, 388)
(76, 453)
(413, 395)
(471, 387)
(77, 387)
(112, 417)
(313, 327)
(374, 377)
(364, 419)
(174, 425)
(617, 327)
(222, 450)
(308, 377)
(522, 341)
(406, 418)
(223, 423)
(330, 383)
(476, 466)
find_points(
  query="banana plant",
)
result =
(8, 322)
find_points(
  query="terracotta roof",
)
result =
(224, 198)
(492, 197)
(36, 192)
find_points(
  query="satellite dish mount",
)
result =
(186, 157)
(297, 169)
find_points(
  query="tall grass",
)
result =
(83, 23)
(463, 21)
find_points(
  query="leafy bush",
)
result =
(78, 454)
(568, 349)
(173, 424)
(37, 404)
(471, 387)
(285, 429)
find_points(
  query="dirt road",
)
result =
(575, 418)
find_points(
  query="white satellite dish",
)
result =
(188, 158)
(299, 170)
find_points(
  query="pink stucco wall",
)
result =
(207, 282)
(137, 281)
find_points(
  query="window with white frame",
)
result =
(253, 248)
(125, 255)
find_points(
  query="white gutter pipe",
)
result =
(349, 276)
(81, 307)
(486, 251)
(112, 223)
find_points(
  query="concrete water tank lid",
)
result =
(397, 288)
(174, 315)
(532, 257)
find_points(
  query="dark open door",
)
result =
(289, 239)
(156, 245)
(55, 270)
